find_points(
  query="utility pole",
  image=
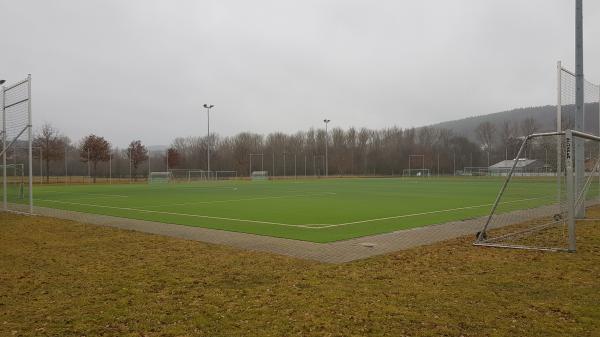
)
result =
(326, 146)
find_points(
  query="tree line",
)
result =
(350, 152)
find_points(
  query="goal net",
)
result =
(192, 175)
(416, 173)
(16, 151)
(260, 175)
(15, 182)
(537, 211)
(159, 177)
(475, 171)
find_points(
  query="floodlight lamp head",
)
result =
(326, 120)
(208, 106)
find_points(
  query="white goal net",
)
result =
(192, 175)
(416, 173)
(159, 177)
(16, 135)
(259, 175)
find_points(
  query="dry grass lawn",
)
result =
(61, 278)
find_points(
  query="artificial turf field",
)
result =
(316, 210)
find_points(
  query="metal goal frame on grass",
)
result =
(561, 212)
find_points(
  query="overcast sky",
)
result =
(142, 69)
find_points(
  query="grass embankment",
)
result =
(61, 278)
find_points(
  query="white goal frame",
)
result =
(574, 197)
(259, 175)
(161, 177)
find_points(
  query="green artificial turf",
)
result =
(317, 210)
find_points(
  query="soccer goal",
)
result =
(416, 166)
(539, 211)
(16, 132)
(476, 171)
(225, 175)
(159, 177)
(416, 173)
(260, 175)
(192, 175)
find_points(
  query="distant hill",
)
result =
(545, 116)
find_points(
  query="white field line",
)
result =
(246, 199)
(415, 214)
(174, 213)
(310, 226)
(90, 194)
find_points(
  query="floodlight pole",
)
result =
(326, 121)
(167, 160)
(208, 107)
(88, 161)
(284, 173)
(110, 168)
(41, 165)
(129, 166)
(66, 165)
(579, 103)
(453, 163)
(4, 186)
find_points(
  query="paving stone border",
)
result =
(335, 252)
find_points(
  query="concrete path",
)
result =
(335, 252)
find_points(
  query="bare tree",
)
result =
(529, 126)
(94, 149)
(173, 158)
(136, 153)
(485, 133)
(51, 144)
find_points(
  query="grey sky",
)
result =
(142, 69)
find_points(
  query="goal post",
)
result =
(256, 157)
(15, 181)
(193, 175)
(417, 170)
(416, 173)
(259, 175)
(533, 211)
(16, 132)
(159, 177)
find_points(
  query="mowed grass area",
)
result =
(317, 210)
(62, 278)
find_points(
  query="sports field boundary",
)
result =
(334, 252)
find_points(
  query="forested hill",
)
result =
(545, 117)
